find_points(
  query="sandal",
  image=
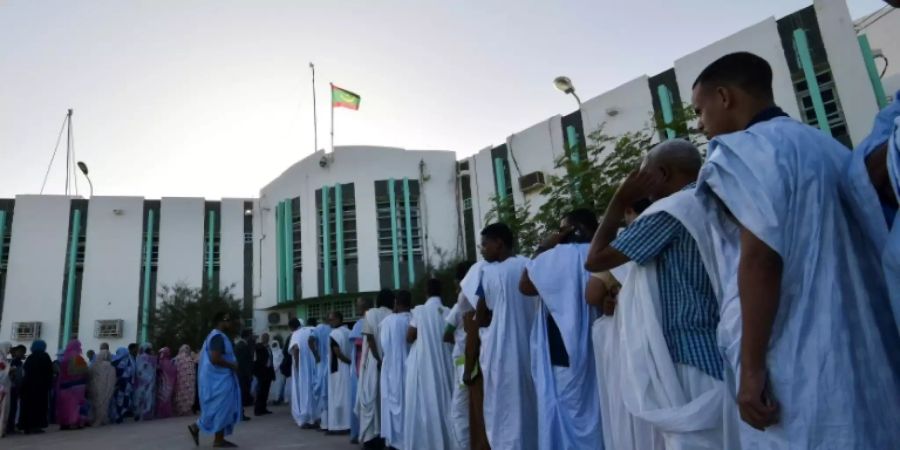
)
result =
(225, 444)
(195, 433)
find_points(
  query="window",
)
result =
(212, 227)
(108, 328)
(388, 223)
(465, 184)
(6, 216)
(321, 310)
(336, 276)
(833, 111)
(26, 331)
(500, 164)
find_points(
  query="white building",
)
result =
(387, 213)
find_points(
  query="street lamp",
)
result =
(565, 84)
(84, 169)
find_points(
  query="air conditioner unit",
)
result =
(26, 331)
(276, 319)
(109, 328)
(531, 181)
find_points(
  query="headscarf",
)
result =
(184, 352)
(277, 355)
(76, 364)
(38, 346)
(144, 347)
(103, 355)
(165, 353)
(121, 353)
(4, 366)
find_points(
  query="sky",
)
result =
(213, 98)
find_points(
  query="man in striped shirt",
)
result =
(664, 240)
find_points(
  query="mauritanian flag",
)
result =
(342, 98)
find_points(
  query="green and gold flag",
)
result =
(342, 98)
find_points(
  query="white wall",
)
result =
(883, 31)
(37, 260)
(481, 166)
(632, 102)
(761, 39)
(231, 245)
(110, 287)
(848, 67)
(180, 242)
(535, 148)
(362, 166)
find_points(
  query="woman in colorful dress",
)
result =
(145, 394)
(101, 387)
(165, 384)
(185, 381)
(120, 407)
(71, 387)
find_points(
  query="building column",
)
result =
(395, 247)
(70, 277)
(148, 261)
(809, 74)
(410, 261)
(339, 237)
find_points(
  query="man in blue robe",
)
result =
(220, 394)
(803, 348)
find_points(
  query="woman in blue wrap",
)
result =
(220, 394)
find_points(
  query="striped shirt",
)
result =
(690, 312)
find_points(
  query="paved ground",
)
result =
(276, 431)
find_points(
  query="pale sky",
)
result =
(213, 98)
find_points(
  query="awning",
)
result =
(322, 299)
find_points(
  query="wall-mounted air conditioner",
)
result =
(277, 319)
(109, 328)
(26, 331)
(531, 181)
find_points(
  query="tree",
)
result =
(590, 182)
(184, 315)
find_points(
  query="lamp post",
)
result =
(565, 84)
(84, 169)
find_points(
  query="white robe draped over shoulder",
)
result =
(339, 382)
(429, 382)
(395, 349)
(569, 415)
(302, 375)
(368, 397)
(510, 405)
(828, 367)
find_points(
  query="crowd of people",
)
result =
(748, 301)
(743, 301)
(79, 389)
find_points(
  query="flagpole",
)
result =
(332, 118)
(312, 67)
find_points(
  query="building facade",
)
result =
(335, 226)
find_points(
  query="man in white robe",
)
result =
(368, 398)
(505, 317)
(356, 345)
(867, 183)
(800, 335)
(562, 354)
(455, 333)
(395, 349)
(338, 375)
(621, 430)
(303, 367)
(429, 377)
(321, 339)
(668, 308)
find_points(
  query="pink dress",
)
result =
(186, 381)
(71, 387)
(165, 387)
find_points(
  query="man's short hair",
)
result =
(294, 323)
(462, 269)
(583, 217)
(385, 298)
(434, 287)
(499, 231)
(221, 316)
(403, 298)
(337, 315)
(132, 346)
(743, 70)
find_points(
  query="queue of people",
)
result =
(77, 390)
(741, 302)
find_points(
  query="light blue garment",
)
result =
(875, 220)
(303, 374)
(828, 367)
(569, 415)
(891, 256)
(320, 385)
(355, 336)
(220, 393)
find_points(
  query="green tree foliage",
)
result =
(444, 270)
(184, 315)
(590, 182)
